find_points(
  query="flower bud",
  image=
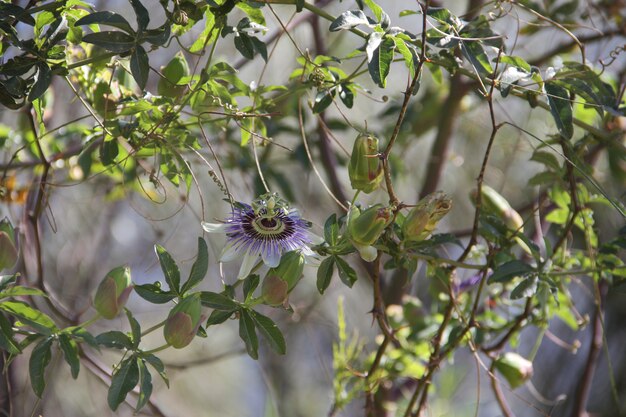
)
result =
(365, 168)
(279, 281)
(8, 245)
(497, 205)
(113, 292)
(173, 72)
(364, 228)
(183, 322)
(423, 218)
(514, 368)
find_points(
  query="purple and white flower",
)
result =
(267, 229)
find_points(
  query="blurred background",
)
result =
(87, 231)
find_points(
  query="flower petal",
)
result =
(214, 227)
(271, 255)
(249, 259)
(368, 253)
(230, 252)
(315, 239)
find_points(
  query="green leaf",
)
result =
(546, 158)
(544, 178)
(158, 37)
(115, 339)
(516, 62)
(39, 321)
(270, 332)
(169, 267)
(109, 151)
(346, 94)
(199, 268)
(244, 45)
(106, 18)
(154, 294)
(43, 78)
(7, 342)
(325, 274)
(385, 54)
(70, 353)
(6, 280)
(218, 317)
(208, 35)
(248, 333)
(380, 63)
(409, 55)
(440, 14)
(140, 66)
(583, 81)
(376, 9)
(158, 366)
(299, 5)
(331, 230)
(323, 99)
(510, 270)
(18, 290)
(249, 285)
(17, 12)
(39, 360)
(526, 288)
(124, 379)
(346, 273)
(476, 55)
(118, 42)
(217, 301)
(560, 108)
(143, 17)
(260, 47)
(348, 20)
(254, 13)
(145, 384)
(135, 329)
(81, 334)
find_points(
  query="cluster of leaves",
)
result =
(39, 330)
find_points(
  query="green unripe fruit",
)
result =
(494, 203)
(113, 292)
(365, 168)
(173, 73)
(497, 205)
(423, 218)
(279, 281)
(274, 290)
(364, 228)
(183, 322)
(514, 368)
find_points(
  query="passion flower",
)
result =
(267, 229)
